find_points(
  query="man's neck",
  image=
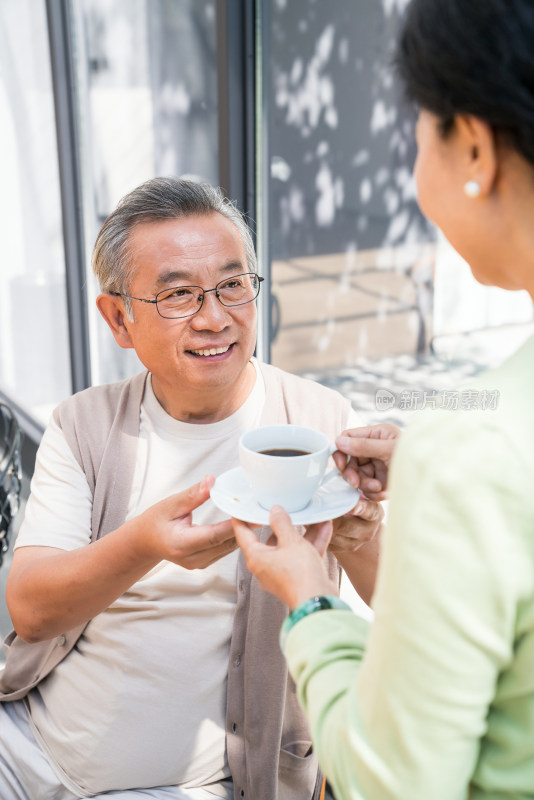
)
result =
(204, 408)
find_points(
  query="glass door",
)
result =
(146, 77)
(34, 355)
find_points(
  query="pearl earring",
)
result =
(472, 189)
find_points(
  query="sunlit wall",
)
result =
(357, 273)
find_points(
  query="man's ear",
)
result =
(480, 152)
(112, 309)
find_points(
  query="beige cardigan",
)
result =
(268, 742)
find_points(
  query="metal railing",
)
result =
(10, 474)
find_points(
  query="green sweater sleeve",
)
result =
(408, 720)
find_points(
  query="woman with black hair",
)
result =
(438, 703)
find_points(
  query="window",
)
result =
(34, 357)
(147, 98)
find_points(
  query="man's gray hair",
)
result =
(156, 200)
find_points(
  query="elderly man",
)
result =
(146, 660)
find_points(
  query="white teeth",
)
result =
(214, 351)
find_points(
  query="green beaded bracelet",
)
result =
(317, 603)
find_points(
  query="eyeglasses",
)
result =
(184, 301)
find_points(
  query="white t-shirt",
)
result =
(103, 724)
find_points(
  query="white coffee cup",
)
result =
(281, 479)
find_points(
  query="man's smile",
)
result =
(211, 351)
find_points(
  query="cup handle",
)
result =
(333, 473)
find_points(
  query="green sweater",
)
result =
(442, 705)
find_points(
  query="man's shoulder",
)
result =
(99, 420)
(302, 401)
(307, 387)
(99, 402)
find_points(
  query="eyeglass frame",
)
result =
(204, 293)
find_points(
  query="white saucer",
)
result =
(232, 494)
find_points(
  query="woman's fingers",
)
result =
(245, 536)
(361, 447)
(280, 522)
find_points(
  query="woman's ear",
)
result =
(112, 309)
(479, 153)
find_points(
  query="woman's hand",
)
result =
(289, 565)
(370, 450)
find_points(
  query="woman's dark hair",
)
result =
(472, 57)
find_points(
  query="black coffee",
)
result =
(284, 452)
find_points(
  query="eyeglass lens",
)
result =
(183, 301)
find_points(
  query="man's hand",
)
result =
(356, 544)
(50, 591)
(175, 538)
(357, 528)
(370, 450)
(289, 565)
